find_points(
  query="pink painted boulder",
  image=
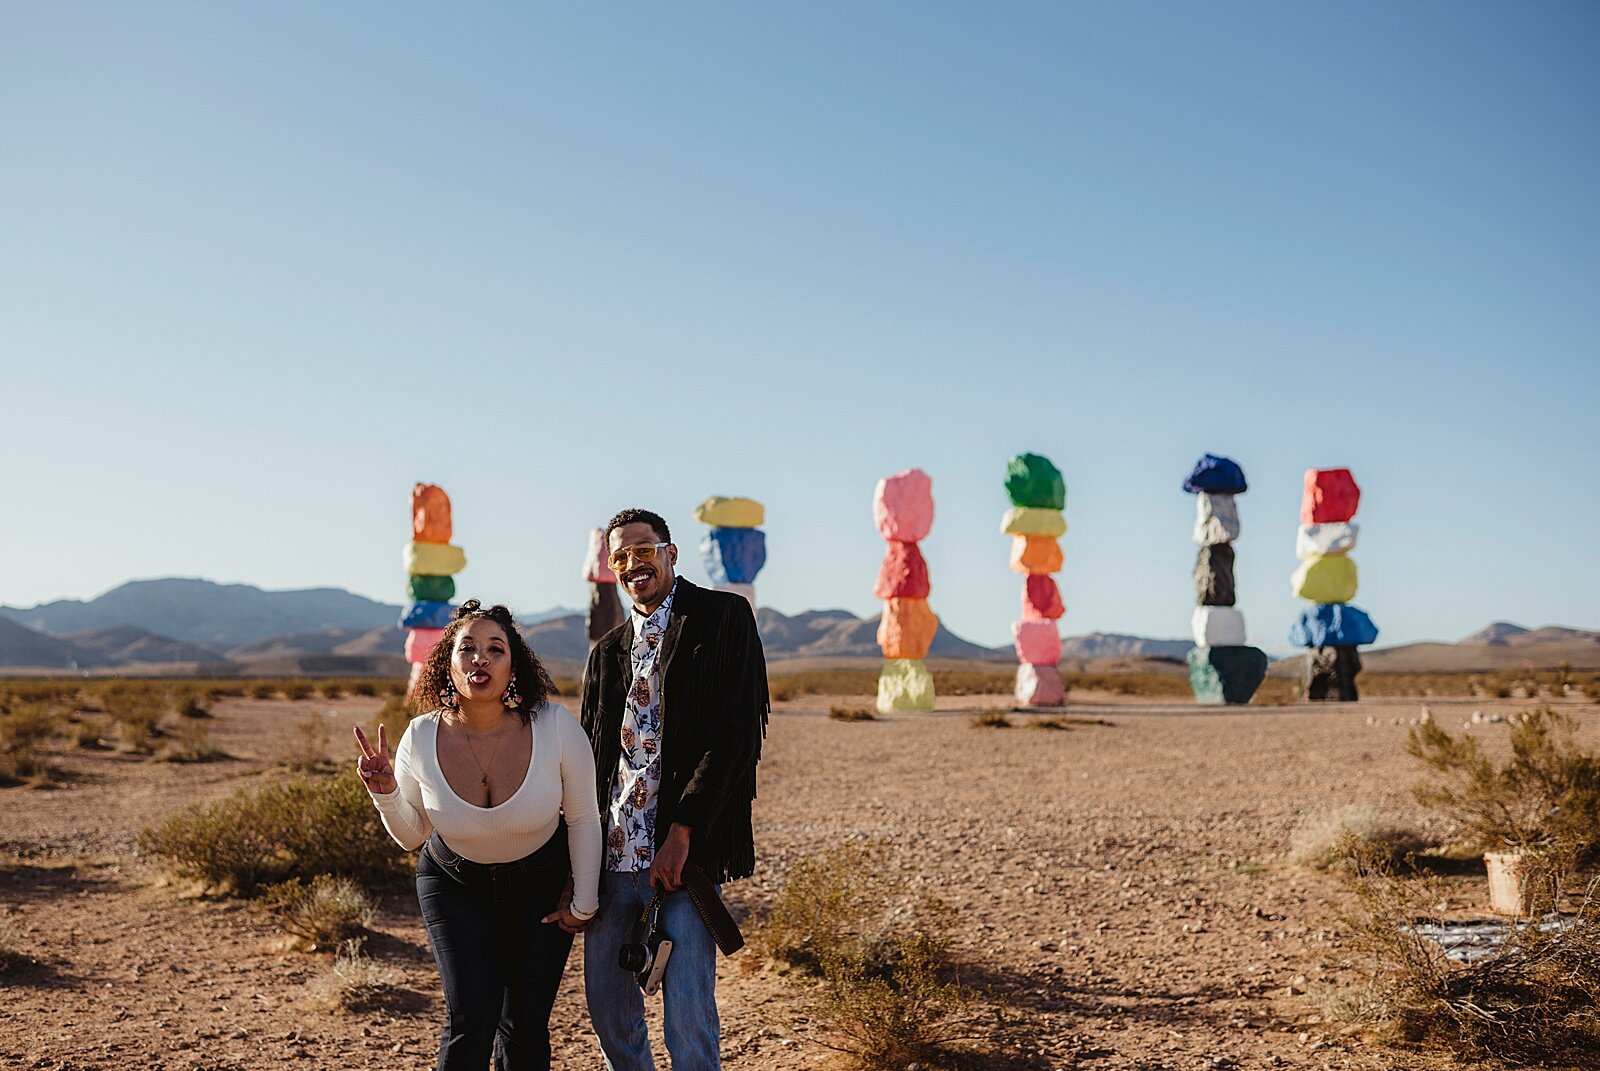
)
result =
(902, 506)
(1037, 642)
(1040, 686)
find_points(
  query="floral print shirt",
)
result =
(631, 814)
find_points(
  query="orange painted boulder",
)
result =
(430, 514)
(1035, 554)
(906, 628)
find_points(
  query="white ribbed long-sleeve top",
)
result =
(559, 781)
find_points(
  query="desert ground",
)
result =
(1121, 882)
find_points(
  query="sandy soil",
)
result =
(1122, 884)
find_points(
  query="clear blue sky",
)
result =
(262, 266)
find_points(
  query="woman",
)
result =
(482, 783)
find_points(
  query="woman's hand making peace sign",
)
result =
(376, 771)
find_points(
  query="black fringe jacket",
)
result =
(714, 708)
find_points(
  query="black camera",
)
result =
(645, 954)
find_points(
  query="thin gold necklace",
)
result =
(467, 736)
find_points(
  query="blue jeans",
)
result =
(500, 965)
(688, 992)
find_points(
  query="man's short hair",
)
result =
(639, 516)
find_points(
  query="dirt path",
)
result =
(1122, 884)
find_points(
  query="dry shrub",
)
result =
(297, 690)
(290, 831)
(137, 708)
(1324, 839)
(1547, 796)
(989, 719)
(825, 902)
(1048, 722)
(322, 913)
(89, 732)
(352, 983)
(844, 713)
(264, 690)
(1533, 1002)
(903, 1009)
(191, 742)
(307, 750)
(25, 728)
(193, 705)
(884, 992)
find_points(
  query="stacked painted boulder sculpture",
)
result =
(1036, 522)
(735, 548)
(431, 562)
(902, 507)
(1330, 628)
(605, 609)
(1222, 667)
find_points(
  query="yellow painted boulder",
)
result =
(1326, 578)
(434, 559)
(904, 685)
(720, 512)
(1032, 521)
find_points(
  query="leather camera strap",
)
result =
(713, 912)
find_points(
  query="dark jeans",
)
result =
(500, 965)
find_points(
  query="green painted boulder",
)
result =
(430, 588)
(1033, 482)
(1226, 674)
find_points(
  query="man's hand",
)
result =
(563, 917)
(666, 873)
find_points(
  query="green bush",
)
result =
(1546, 798)
(292, 831)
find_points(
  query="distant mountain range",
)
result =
(188, 624)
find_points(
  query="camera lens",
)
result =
(633, 957)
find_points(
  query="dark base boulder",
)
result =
(1226, 674)
(1331, 674)
(1213, 575)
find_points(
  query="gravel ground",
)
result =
(1121, 882)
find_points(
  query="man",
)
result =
(675, 704)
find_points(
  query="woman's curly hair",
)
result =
(533, 680)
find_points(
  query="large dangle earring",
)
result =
(448, 697)
(512, 698)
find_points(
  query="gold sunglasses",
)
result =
(639, 552)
